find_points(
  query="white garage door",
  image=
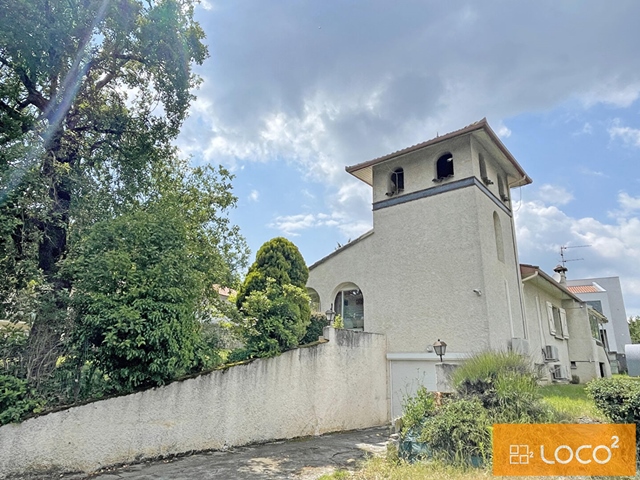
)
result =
(406, 377)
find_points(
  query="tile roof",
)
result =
(479, 125)
(583, 289)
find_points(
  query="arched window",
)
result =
(497, 230)
(444, 167)
(483, 170)
(397, 180)
(349, 303)
(502, 190)
(314, 300)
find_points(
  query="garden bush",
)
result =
(315, 328)
(460, 432)
(619, 399)
(16, 400)
(506, 384)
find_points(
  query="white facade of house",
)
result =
(605, 294)
(441, 261)
(563, 331)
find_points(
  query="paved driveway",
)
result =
(303, 459)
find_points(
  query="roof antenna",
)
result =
(565, 260)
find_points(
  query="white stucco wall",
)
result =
(612, 307)
(580, 347)
(339, 385)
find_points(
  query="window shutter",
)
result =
(563, 320)
(552, 326)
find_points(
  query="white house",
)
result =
(441, 261)
(605, 296)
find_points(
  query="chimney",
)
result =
(562, 271)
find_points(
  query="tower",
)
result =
(445, 244)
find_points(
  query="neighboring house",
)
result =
(441, 261)
(605, 296)
(563, 332)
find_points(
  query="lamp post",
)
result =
(331, 315)
(440, 348)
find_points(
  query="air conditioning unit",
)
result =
(551, 353)
(558, 372)
(520, 345)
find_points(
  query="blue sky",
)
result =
(294, 91)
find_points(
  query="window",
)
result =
(497, 230)
(483, 170)
(314, 300)
(350, 305)
(396, 182)
(604, 339)
(595, 326)
(444, 167)
(557, 321)
(502, 190)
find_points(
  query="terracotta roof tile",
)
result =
(583, 289)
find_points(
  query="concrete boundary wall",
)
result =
(339, 385)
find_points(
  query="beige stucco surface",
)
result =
(421, 267)
(579, 348)
(339, 385)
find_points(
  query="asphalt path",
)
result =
(303, 459)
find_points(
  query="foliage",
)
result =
(617, 397)
(381, 468)
(506, 385)
(460, 430)
(634, 329)
(137, 291)
(92, 95)
(278, 259)
(338, 322)
(15, 399)
(278, 319)
(13, 342)
(316, 326)
(417, 409)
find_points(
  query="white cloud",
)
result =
(503, 131)
(593, 173)
(630, 136)
(293, 225)
(554, 194)
(587, 129)
(254, 195)
(629, 205)
(614, 248)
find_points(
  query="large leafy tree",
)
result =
(92, 94)
(139, 283)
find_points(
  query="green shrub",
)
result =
(16, 400)
(459, 433)
(619, 399)
(417, 409)
(315, 328)
(506, 384)
(279, 319)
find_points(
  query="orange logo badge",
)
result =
(564, 449)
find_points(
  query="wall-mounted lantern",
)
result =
(331, 315)
(440, 348)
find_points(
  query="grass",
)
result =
(572, 402)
